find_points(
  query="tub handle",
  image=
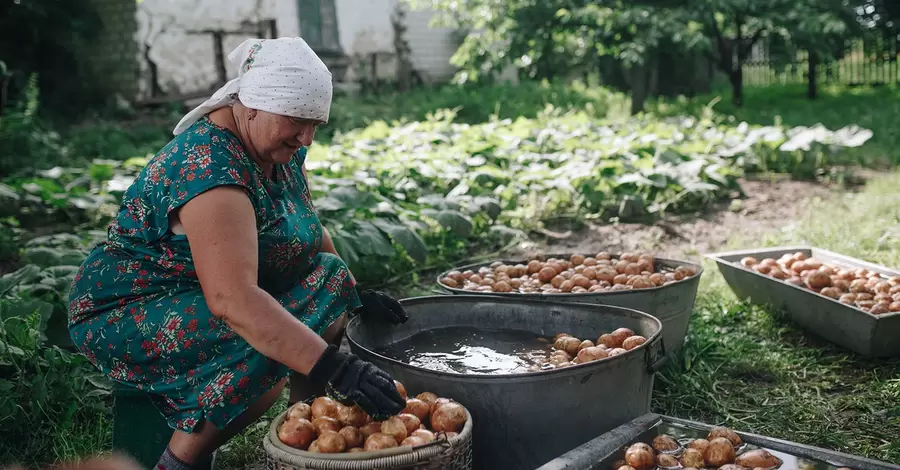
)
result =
(655, 356)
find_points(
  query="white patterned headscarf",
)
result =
(281, 76)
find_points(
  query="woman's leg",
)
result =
(301, 389)
(197, 447)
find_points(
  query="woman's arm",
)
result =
(327, 242)
(226, 263)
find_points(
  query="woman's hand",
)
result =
(350, 380)
(381, 306)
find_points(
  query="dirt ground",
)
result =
(769, 206)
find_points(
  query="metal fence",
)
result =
(867, 62)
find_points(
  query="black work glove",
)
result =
(350, 380)
(381, 306)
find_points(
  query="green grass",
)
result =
(747, 367)
(875, 108)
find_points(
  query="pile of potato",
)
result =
(577, 275)
(719, 450)
(329, 427)
(569, 350)
(868, 291)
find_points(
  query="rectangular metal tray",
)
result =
(601, 452)
(866, 334)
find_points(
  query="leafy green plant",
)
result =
(45, 391)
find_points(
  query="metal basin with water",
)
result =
(671, 304)
(523, 420)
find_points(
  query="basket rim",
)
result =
(400, 455)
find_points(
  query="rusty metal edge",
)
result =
(591, 454)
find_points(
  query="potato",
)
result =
(547, 274)
(749, 261)
(757, 458)
(840, 284)
(591, 354)
(449, 282)
(632, 342)
(620, 335)
(818, 280)
(763, 268)
(641, 282)
(848, 299)
(666, 461)
(352, 436)
(732, 466)
(324, 406)
(719, 452)
(830, 292)
(379, 441)
(325, 423)
(352, 416)
(777, 273)
(692, 458)
(721, 431)
(299, 410)
(606, 274)
(581, 281)
(879, 309)
(699, 444)
(640, 458)
(571, 345)
(664, 442)
(617, 351)
(331, 442)
(603, 256)
(502, 286)
(858, 286)
(894, 307)
(607, 340)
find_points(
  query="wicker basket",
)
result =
(452, 454)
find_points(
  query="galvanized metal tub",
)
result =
(515, 416)
(849, 327)
(671, 304)
(600, 453)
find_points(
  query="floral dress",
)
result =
(136, 307)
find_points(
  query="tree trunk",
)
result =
(736, 77)
(811, 82)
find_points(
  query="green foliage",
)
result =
(45, 392)
(25, 140)
(872, 108)
(473, 104)
(44, 37)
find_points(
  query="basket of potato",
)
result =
(575, 274)
(722, 449)
(430, 433)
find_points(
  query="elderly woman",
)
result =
(217, 282)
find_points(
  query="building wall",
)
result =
(185, 61)
(366, 29)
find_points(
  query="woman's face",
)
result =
(277, 138)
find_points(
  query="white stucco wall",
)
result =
(185, 62)
(365, 28)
